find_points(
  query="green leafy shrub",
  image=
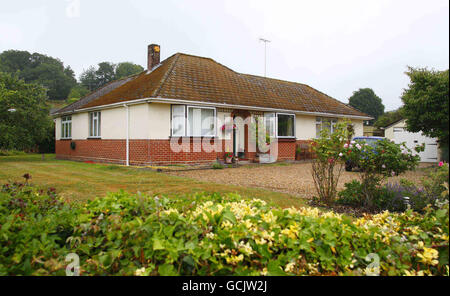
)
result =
(34, 226)
(398, 197)
(217, 166)
(13, 152)
(378, 162)
(124, 234)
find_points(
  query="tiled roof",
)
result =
(193, 78)
(94, 95)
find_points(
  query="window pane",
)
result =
(207, 118)
(95, 127)
(70, 130)
(285, 125)
(270, 123)
(178, 121)
(318, 129)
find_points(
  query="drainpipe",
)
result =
(128, 135)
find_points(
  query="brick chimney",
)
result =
(153, 56)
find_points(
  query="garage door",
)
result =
(413, 139)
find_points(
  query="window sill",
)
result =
(287, 139)
(191, 137)
(65, 139)
(94, 138)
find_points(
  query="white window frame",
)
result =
(95, 116)
(187, 127)
(274, 132)
(271, 116)
(172, 121)
(276, 128)
(66, 127)
(187, 123)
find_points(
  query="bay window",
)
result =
(94, 124)
(66, 127)
(281, 125)
(193, 121)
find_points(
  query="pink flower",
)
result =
(340, 154)
(346, 146)
(441, 164)
(393, 174)
(383, 166)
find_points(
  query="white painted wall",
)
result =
(400, 135)
(113, 123)
(81, 122)
(159, 121)
(305, 127)
(359, 127)
(57, 128)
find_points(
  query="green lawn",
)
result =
(78, 181)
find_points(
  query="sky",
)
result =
(336, 47)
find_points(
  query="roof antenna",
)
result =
(265, 52)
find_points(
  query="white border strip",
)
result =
(219, 105)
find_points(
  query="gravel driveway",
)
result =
(295, 179)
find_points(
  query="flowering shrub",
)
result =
(398, 197)
(123, 234)
(377, 162)
(327, 166)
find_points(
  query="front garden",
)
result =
(124, 234)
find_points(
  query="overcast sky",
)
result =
(334, 46)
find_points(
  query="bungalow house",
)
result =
(190, 109)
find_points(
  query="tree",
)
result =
(365, 100)
(77, 92)
(41, 69)
(426, 103)
(105, 72)
(24, 114)
(388, 118)
(127, 69)
(88, 79)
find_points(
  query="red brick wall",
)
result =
(144, 152)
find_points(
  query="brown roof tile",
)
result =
(193, 78)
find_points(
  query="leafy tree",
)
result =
(365, 100)
(105, 73)
(78, 91)
(388, 118)
(24, 114)
(88, 79)
(41, 69)
(426, 103)
(127, 69)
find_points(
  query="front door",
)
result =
(239, 137)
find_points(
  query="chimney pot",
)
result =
(153, 56)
